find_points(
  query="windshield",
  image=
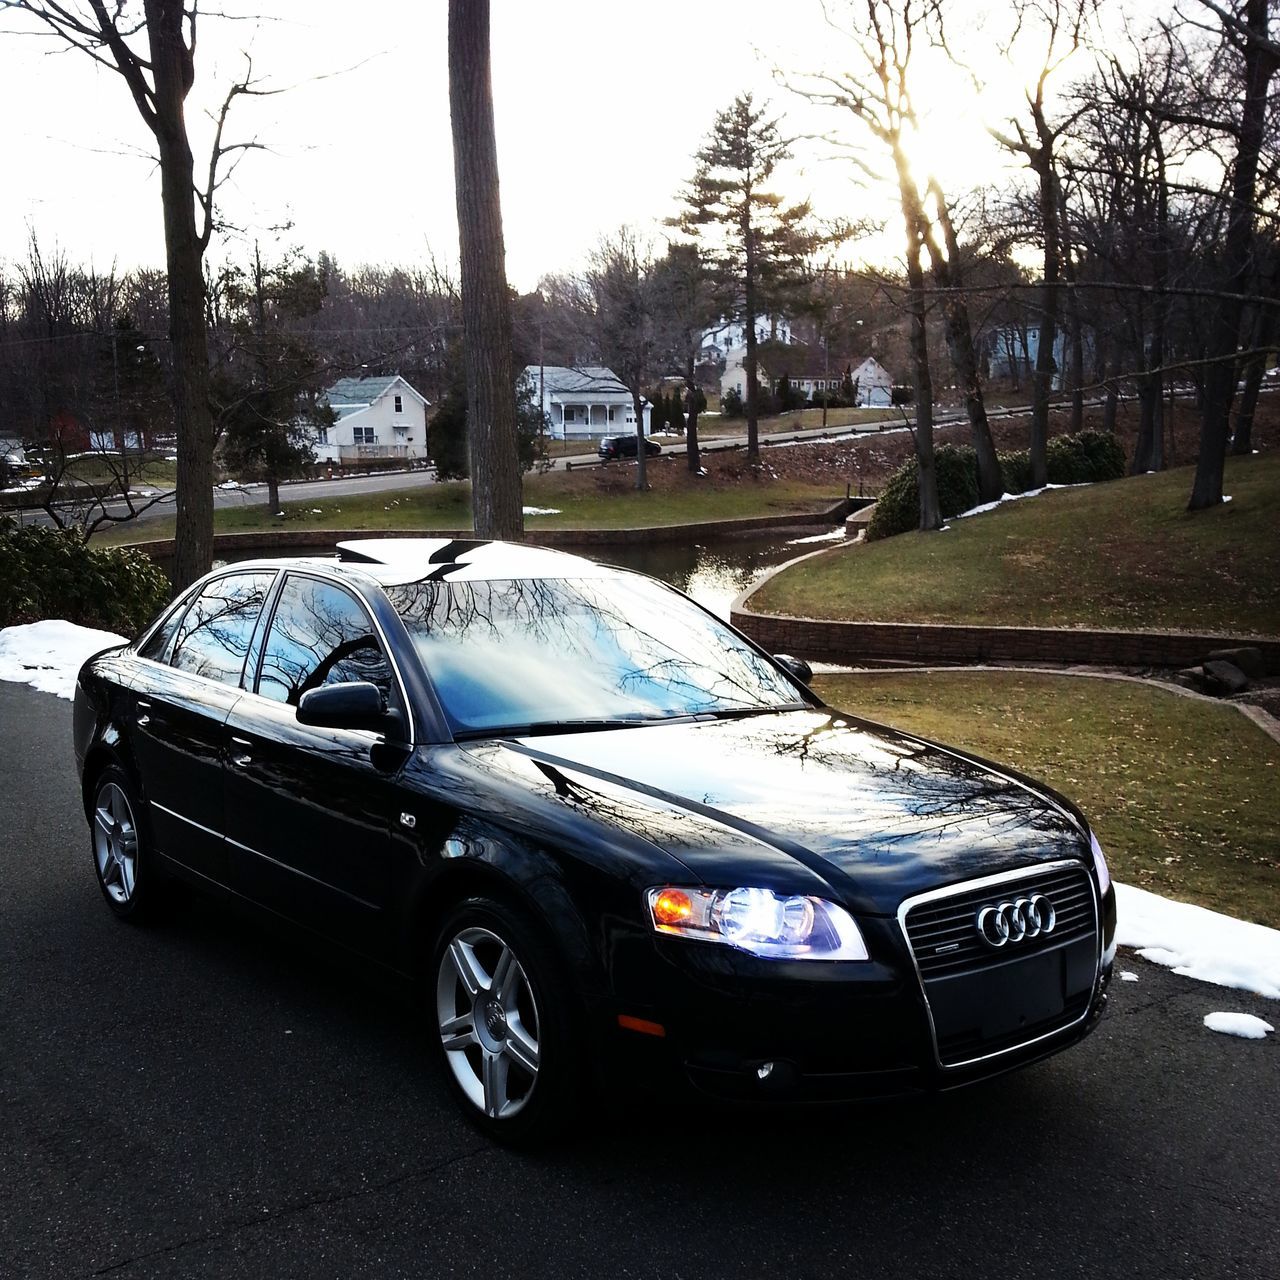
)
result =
(532, 654)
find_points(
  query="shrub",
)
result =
(1015, 470)
(54, 573)
(898, 507)
(731, 405)
(1085, 459)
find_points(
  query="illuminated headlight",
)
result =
(759, 921)
(1099, 863)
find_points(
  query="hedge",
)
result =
(54, 573)
(1087, 458)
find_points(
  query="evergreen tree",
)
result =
(658, 413)
(267, 388)
(848, 388)
(675, 413)
(755, 248)
(447, 431)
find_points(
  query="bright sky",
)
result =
(599, 109)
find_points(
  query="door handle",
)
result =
(240, 752)
(143, 706)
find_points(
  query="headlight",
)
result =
(759, 921)
(1099, 863)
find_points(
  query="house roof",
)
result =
(359, 393)
(799, 361)
(561, 380)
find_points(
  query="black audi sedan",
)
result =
(612, 838)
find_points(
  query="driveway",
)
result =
(215, 1098)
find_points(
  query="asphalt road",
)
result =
(212, 1098)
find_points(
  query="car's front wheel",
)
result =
(505, 1024)
(119, 848)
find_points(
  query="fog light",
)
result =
(764, 1071)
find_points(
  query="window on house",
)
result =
(612, 414)
(568, 413)
(364, 435)
(399, 404)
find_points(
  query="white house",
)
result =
(726, 335)
(810, 370)
(376, 418)
(585, 402)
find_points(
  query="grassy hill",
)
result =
(1126, 555)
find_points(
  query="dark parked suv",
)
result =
(625, 447)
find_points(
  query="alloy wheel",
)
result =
(115, 843)
(488, 1022)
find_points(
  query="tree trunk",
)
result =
(1075, 326)
(749, 363)
(1048, 332)
(1224, 327)
(642, 460)
(913, 216)
(496, 500)
(172, 71)
(693, 455)
(959, 337)
(273, 494)
(1265, 324)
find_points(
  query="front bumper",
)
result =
(743, 1028)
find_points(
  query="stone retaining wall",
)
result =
(852, 643)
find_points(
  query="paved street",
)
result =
(213, 1098)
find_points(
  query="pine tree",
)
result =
(755, 248)
(675, 413)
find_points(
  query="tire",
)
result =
(506, 1026)
(118, 840)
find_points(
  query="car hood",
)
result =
(877, 814)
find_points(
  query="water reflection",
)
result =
(713, 570)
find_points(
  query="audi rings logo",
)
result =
(1016, 921)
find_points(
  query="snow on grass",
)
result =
(542, 511)
(1244, 1025)
(47, 655)
(1128, 975)
(1014, 497)
(836, 535)
(1199, 943)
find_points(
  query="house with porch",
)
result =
(374, 419)
(584, 402)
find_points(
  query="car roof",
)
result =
(398, 561)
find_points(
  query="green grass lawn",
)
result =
(1126, 555)
(580, 506)
(1183, 794)
(155, 473)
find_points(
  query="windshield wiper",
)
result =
(740, 713)
(547, 727)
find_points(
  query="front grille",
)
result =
(970, 1043)
(943, 932)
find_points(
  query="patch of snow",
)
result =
(24, 486)
(836, 535)
(48, 655)
(317, 511)
(1226, 497)
(542, 511)
(1014, 497)
(1199, 943)
(232, 484)
(1244, 1025)
(1128, 975)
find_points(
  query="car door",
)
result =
(310, 809)
(189, 683)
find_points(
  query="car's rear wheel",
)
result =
(120, 855)
(505, 1024)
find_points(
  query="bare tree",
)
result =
(1062, 22)
(497, 510)
(877, 92)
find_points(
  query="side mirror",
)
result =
(798, 667)
(356, 704)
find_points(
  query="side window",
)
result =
(320, 634)
(215, 632)
(157, 648)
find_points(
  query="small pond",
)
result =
(713, 571)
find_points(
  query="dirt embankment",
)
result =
(866, 463)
